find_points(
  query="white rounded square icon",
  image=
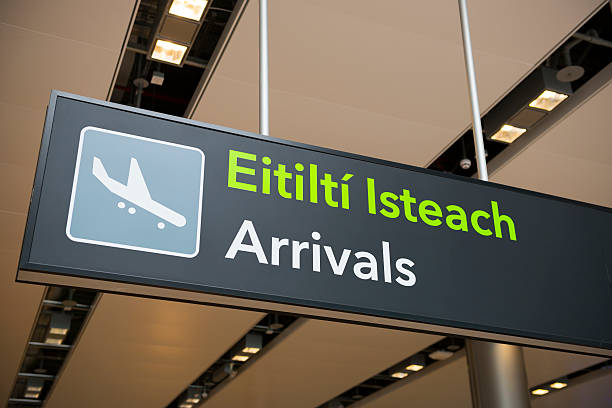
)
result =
(136, 193)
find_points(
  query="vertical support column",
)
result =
(497, 375)
(497, 371)
(264, 87)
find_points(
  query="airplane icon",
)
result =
(136, 192)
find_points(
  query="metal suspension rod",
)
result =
(471, 78)
(497, 371)
(264, 87)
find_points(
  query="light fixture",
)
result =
(525, 105)
(34, 385)
(59, 325)
(440, 354)
(33, 388)
(416, 363)
(54, 340)
(540, 391)
(557, 385)
(414, 367)
(191, 9)
(157, 78)
(176, 31)
(249, 345)
(508, 134)
(193, 394)
(548, 100)
(169, 52)
(399, 374)
(184, 405)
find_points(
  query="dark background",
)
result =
(553, 283)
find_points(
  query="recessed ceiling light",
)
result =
(157, 78)
(414, 367)
(557, 385)
(34, 385)
(548, 100)
(168, 51)
(251, 350)
(33, 395)
(399, 374)
(239, 357)
(191, 9)
(508, 134)
(540, 391)
(440, 354)
(53, 340)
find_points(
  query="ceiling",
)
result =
(338, 354)
(67, 45)
(387, 82)
(570, 160)
(151, 350)
(342, 72)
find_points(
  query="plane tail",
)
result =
(98, 169)
(136, 182)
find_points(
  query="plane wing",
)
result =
(136, 191)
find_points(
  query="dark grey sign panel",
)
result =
(133, 196)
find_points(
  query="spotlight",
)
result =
(559, 384)
(157, 78)
(250, 345)
(191, 9)
(548, 100)
(416, 363)
(168, 51)
(399, 374)
(440, 355)
(508, 134)
(525, 106)
(33, 388)
(540, 391)
(59, 325)
(194, 394)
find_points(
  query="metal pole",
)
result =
(481, 160)
(497, 371)
(264, 102)
(497, 375)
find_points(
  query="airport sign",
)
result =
(131, 201)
